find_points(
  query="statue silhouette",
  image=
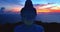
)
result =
(2, 9)
(28, 10)
(28, 14)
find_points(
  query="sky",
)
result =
(40, 5)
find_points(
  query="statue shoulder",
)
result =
(39, 28)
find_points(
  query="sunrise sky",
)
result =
(40, 5)
(48, 10)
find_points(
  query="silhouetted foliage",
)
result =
(2, 9)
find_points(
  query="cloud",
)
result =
(10, 2)
(46, 6)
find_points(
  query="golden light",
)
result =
(40, 9)
(56, 8)
(16, 9)
(43, 10)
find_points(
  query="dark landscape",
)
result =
(48, 27)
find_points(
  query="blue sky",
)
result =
(34, 1)
(43, 1)
(19, 2)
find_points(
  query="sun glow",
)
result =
(56, 8)
(45, 9)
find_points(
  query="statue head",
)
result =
(28, 13)
(28, 4)
(28, 19)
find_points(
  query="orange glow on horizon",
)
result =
(38, 10)
(45, 10)
(16, 9)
